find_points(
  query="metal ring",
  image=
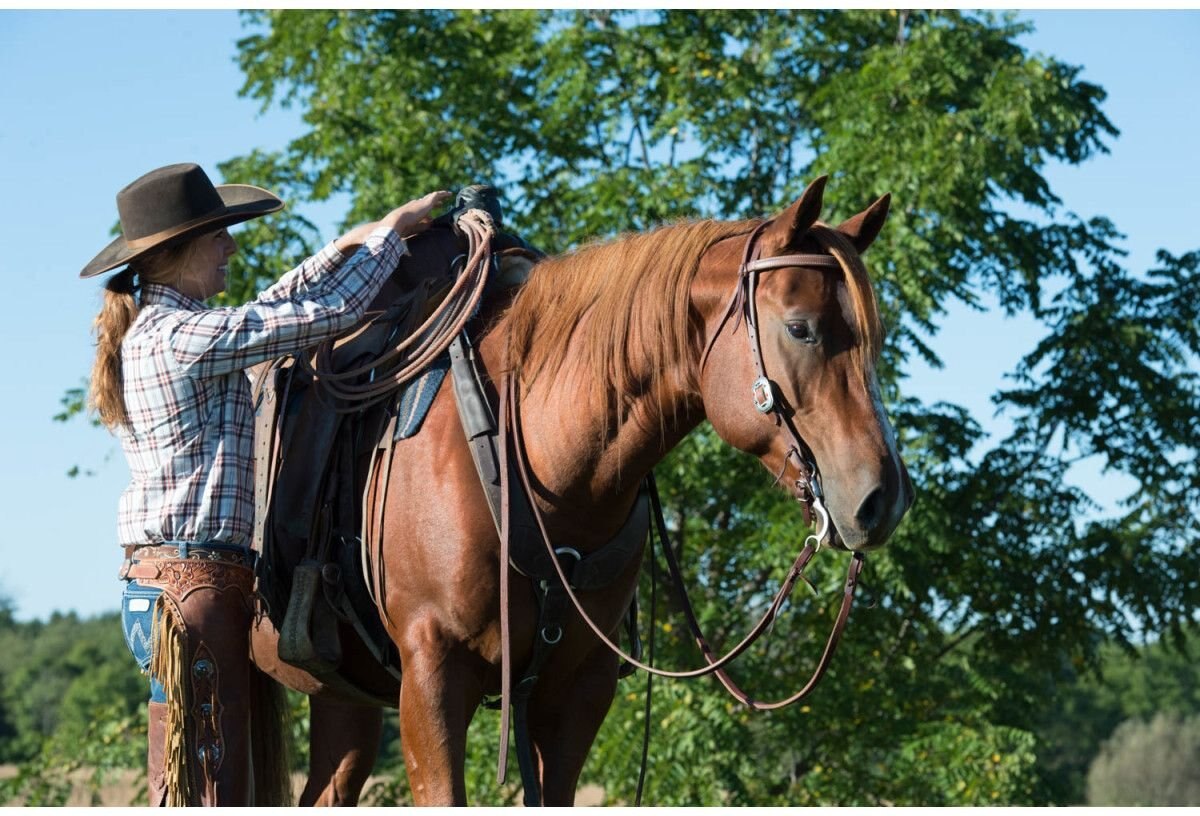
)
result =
(568, 551)
(557, 637)
(823, 528)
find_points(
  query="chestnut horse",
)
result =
(606, 343)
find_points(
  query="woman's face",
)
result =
(205, 273)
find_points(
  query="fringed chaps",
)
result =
(201, 655)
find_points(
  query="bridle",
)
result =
(766, 401)
(763, 391)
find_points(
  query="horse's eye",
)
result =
(800, 330)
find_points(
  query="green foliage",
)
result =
(594, 122)
(994, 597)
(73, 706)
(108, 742)
(950, 763)
(1148, 764)
(1126, 686)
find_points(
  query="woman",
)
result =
(169, 380)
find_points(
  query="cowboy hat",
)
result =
(172, 203)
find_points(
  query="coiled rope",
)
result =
(395, 366)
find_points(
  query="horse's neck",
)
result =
(590, 464)
(593, 455)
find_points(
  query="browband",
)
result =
(780, 261)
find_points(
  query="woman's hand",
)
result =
(413, 217)
(405, 221)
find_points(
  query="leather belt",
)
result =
(142, 561)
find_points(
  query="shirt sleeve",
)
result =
(306, 277)
(317, 300)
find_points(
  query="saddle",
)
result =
(315, 458)
(311, 461)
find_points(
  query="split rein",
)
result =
(766, 401)
(713, 666)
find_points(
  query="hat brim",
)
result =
(243, 202)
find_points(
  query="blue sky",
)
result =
(91, 100)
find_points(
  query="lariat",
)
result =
(409, 357)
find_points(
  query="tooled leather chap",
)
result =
(199, 738)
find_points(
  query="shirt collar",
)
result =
(155, 294)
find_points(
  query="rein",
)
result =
(714, 666)
(765, 401)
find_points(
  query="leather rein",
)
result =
(765, 401)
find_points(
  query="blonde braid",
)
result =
(117, 314)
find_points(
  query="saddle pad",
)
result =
(418, 396)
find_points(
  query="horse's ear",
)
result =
(863, 228)
(789, 226)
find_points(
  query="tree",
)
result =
(1148, 763)
(1130, 686)
(994, 589)
(73, 700)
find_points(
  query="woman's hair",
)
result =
(118, 313)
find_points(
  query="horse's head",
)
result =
(810, 303)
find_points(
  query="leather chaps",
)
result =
(199, 751)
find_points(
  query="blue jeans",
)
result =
(137, 620)
(137, 612)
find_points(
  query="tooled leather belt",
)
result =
(141, 561)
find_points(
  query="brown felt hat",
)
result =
(172, 203)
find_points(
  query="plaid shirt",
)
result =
(190, 440)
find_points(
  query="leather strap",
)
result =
(511, 427)
(856, 565)
(781, 261)
(593, 570)
(505, 624)
(149, 562)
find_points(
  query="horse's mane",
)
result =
(629, 297)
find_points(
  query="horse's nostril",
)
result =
(870, 512)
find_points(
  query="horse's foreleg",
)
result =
(564, 720)
(343, 744)
(437, 698)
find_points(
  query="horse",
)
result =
(618, 350)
